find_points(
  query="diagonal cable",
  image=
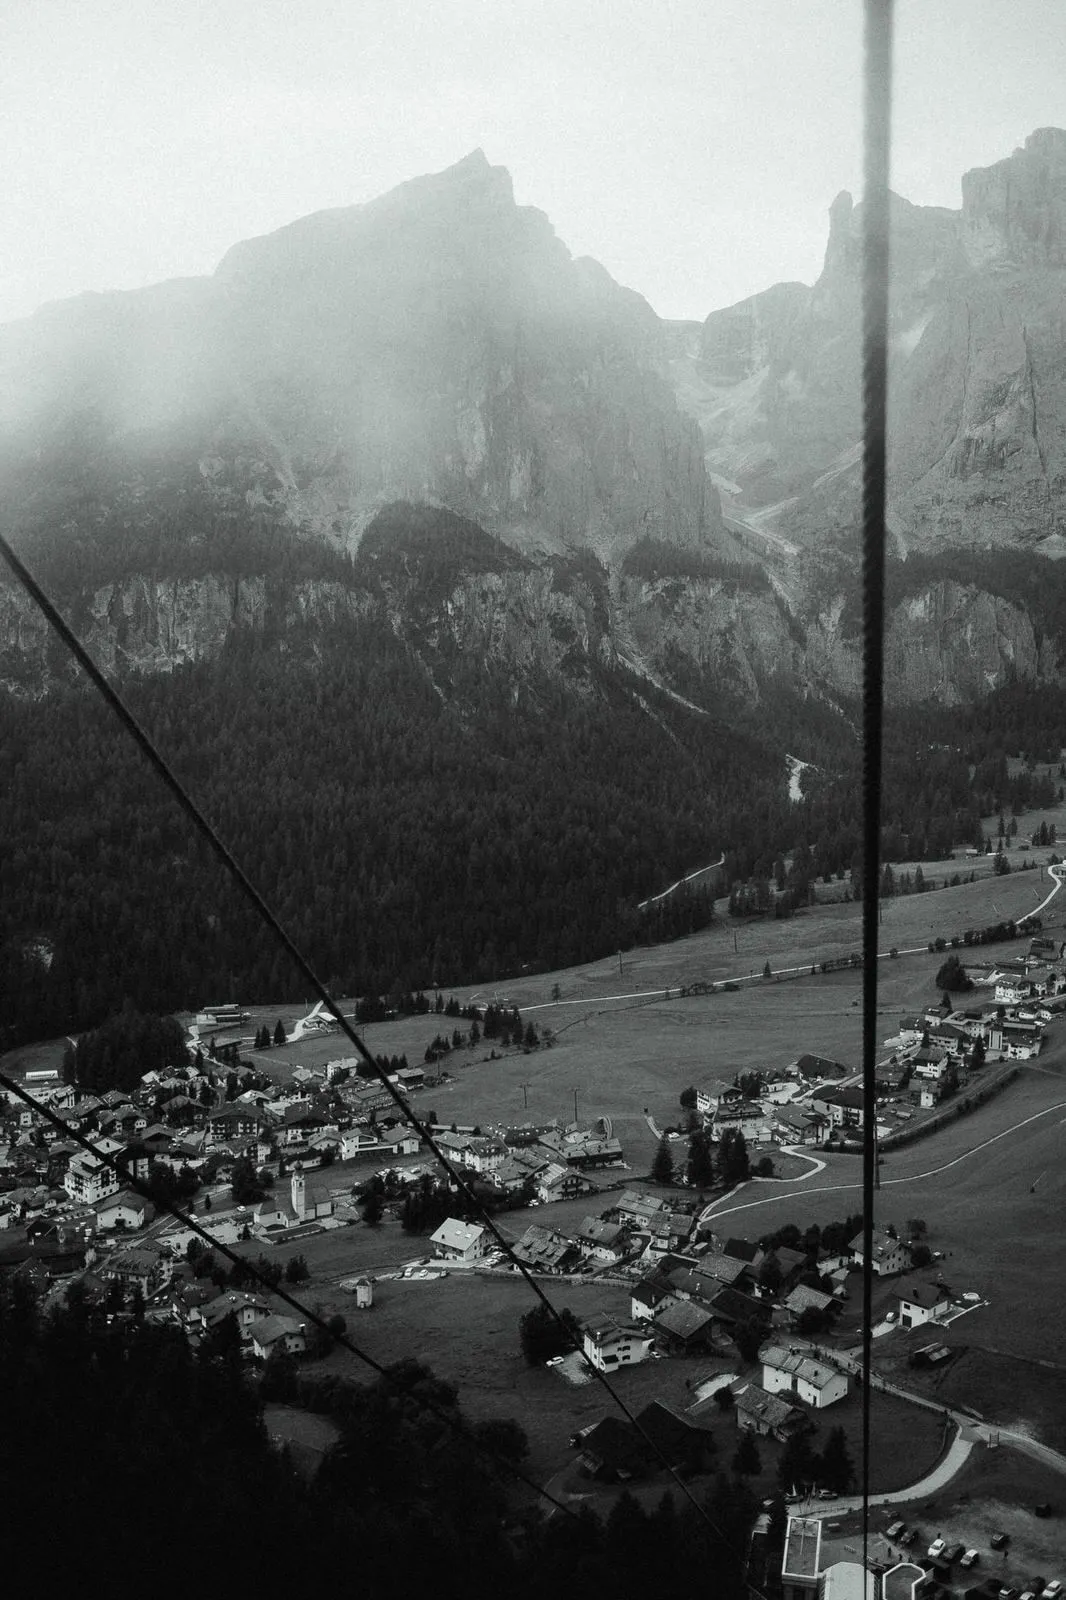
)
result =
(877, 78)
(237, 873)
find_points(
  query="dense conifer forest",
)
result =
(419, 816)
(120, 1426)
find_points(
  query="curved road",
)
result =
(709, 1213)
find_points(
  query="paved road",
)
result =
(710, 1213)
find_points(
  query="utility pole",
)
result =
(619, 963)
(575, 1105)
(525, 1087)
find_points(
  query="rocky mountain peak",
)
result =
(1014, 212)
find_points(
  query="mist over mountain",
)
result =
(433, 554)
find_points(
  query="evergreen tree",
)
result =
(279, 1032)
(700, 1169)
(662, 1168)
(746, 1460)
(834, 1468)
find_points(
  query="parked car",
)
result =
(953, 1553)
(1052, 1590)
(936, 1549)
(999, 1541)
(895, 1530)
(970, 1559)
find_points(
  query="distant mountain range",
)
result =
(440, 347)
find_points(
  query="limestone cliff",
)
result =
(439, 344)
(977, 430)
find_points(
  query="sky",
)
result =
(691, 146)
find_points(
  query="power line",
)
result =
(233, 867)
(877, 84)
(110, 1159)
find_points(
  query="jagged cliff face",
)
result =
(441, 347)
(439, 344)
(977, 446)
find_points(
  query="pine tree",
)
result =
(662, 1168)
(746, 1461)
(279, 1032)
(700, 1170)
(834, 1467)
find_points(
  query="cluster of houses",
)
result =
(816, 1100)
(704, 1296)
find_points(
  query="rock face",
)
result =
(977, 446)
(438, 344)
(440, 347)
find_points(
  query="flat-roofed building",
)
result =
(801, 1563)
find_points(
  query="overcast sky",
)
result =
(692, 146)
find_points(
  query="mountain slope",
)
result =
(977, 372)
(437, 344)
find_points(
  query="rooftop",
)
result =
(803, 1542)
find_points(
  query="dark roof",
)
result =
(616, 1444)
(678, 1439)
(741, 1250)
(684, 1320)
(729, 1305)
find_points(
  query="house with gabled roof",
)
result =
(889, 1255)
(271, 1333)
(803, 1298)
(460, 1241)
(686, 1446)
(602, 1241)
(684, 1325)
(647, 1296)
(796, 1371)
(609, 1343)
(544, 1250)
(611, 1450)
(559, 1182)
(770, 1415)
(723, 1269)
(636, 1208)
(921, 1301)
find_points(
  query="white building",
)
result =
(610, 1344)
(460, 1241)
(89, 1178)
(811, 1381)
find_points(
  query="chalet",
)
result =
(89, 1178)
(817, 1068)
(484, 1155)
(272, 1333)
(246, 1308)
(685, 1446)
(637, 1209)
(544, 1250)
(796, 1372)
(729, 1307)
(803, 1299)
(768, 1414)
(1012, 989)
(519, 1168)
(231, 1122)
(602, 1241)
(460, 1241)
(561, 1183)
(647, 1297)
(124, 1210)
(611, 1450)
(890, 1255)
(927, 1096)
(684, 1326)
(932, 1061)
(609, 1343)
(724, 1270)
(136, 1269)
(922, 1302)
(670, 1231)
